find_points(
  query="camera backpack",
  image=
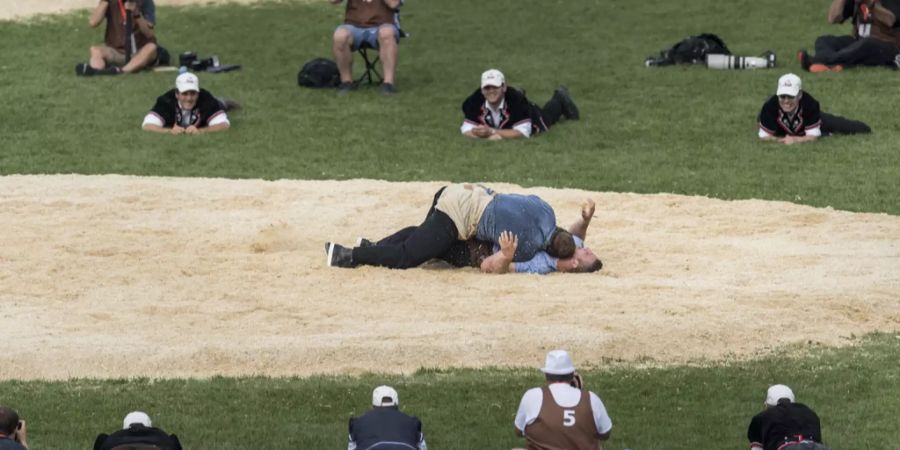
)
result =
(319, 73)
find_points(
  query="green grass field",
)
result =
(684, 130)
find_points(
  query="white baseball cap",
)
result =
(492, 77)
(778, 392)
(789, 84)
(558, 362)
(384, 392)
(187, 82)
(136, 417)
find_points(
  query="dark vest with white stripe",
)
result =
(385, 428)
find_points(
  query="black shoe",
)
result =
(388, 89)
(803, 57)
(84, 70)
(112, 70)
(339, 256)
(569, 110)
(345, 88)
(363, 242)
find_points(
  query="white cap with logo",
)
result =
(187, 82)
(558, 362)
(385, 396)
(789, 85)
(492, 77)
(136, 417)
(778, 392)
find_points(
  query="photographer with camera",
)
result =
(13, 434)
(792, 116)
(875, 40)
(187, 109)
(562, 414)
(130, 41)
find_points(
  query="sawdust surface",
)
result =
(118, 276)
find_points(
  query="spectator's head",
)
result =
(187, 90)
(562, 244)
(385, 397)
(493, 86)
(789, 92)
(779, 394)
(136, 418)
(9, 420)
(558, 367)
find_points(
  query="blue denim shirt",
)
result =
(531, 219)
(542, 263)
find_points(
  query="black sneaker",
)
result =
(339, 256)
(345, 88)
(363, 242)
(569, 110)
(803, 57)
(84, 70)
(388, 89)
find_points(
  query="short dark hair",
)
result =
(564, 378)
(562, 244)
(596, 266)
(9, 420)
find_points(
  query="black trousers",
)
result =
(552, 111)
(460, 254)
(832, 124)
(846, 50)
(433, 238)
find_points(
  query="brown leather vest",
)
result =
(115, 26)
(368, 13)
(558, 428)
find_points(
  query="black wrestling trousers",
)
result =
(832, 124)
(431, 239)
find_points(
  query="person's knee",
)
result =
(343, 37)
(386, 35)
(96, 51)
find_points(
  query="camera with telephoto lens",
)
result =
(195, 63)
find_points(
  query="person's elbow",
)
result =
(605, 436)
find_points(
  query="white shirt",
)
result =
(565, 396)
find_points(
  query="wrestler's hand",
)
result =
(192, 130)
(587, 209)
(508, 244)
(176, 130)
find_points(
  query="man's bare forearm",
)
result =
(98, 14)
(836, 11)
(144, 27)
(883, 15)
